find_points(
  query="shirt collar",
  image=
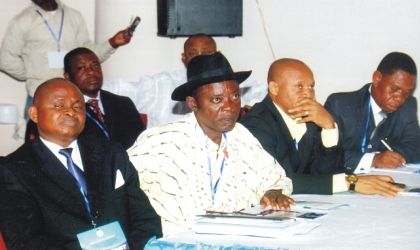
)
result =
(375, 107)
(296, 130)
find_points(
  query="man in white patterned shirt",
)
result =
(205, 160)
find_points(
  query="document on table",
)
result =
(318, 205)
(411, 191)
(409, 168)
(255, 222)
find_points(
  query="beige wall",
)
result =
(12, 91)
(342, 41)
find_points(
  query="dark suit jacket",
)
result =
(311, 167)
(42, 207)
(401, 128)
(122, 121)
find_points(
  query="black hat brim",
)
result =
(186, 89)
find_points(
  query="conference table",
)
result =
(370, 222)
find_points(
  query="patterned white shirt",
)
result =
(173, 166)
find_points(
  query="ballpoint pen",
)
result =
(386, 145)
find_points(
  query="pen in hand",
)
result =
(386, 145)
(389, 148)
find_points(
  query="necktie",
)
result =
(384, 115)
(74, 170)
(97, 110)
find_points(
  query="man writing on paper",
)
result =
(378, 124)
(38, 38)
(300, 134)
(59, 184)
(206, 161)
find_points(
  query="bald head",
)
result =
(289, 80)
(58, 111)
(199, 44)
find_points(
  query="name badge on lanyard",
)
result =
(109, 236)
(55, 58)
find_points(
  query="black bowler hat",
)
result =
(207, 69)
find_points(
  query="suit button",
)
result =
(96, 214)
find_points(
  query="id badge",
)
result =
(56, 59)
(107, 237)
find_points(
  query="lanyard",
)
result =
(88, 207)
(99, 124)
(363, 146)
(51, 31)
(213, 189)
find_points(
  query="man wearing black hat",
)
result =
(205, 160)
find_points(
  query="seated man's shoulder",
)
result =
(87, 139)
(176, 129)
(348, 96)
(257, 114)
(243, 135)
(115, 97)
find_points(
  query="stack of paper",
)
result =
(318, 205)
(253, 222)
(409, 168)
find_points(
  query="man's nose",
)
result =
(90, 70)
(70, 111)
(307, 93)
(229, 105)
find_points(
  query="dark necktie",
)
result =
(384, 115)
(74, 170)
(97, 110)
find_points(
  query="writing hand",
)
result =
(388, 159)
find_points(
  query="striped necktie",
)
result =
(74, 170)
(96, 109)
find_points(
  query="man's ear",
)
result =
(377, 77)
(33, 113)
(66, 76)
(183, 58)
(273, 88)
(192, 103)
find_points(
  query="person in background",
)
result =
(37, 39)
(206, 161)
(61, 184)
(151, 94)
(303, 137)
(378, 124)
(109, 116)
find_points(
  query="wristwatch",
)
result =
(352, 179)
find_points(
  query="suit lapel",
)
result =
(110, 111)
(284, 133)
(94, 166)
(54, 169)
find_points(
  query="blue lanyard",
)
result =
(51, 31)
(86, 202)
(87, 206)
(363, 146)
(213, 189)
(99, 124)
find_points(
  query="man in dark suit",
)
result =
(43, 206)
(300, 134)
(378, 124)
(113, 117)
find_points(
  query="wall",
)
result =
(342, 41)
(12, 91)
